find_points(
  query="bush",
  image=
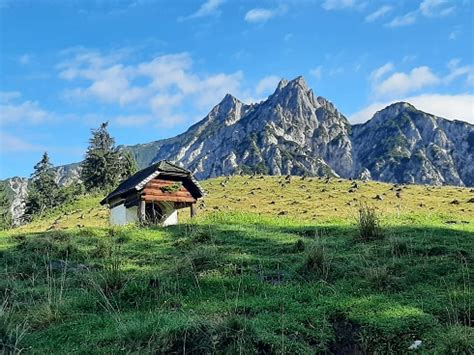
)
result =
(369, 224)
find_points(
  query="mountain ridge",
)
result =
(296, 132)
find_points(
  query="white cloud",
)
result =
(338, 4)
(427, 8)
(12, 144)
(433, 8)
(267, 84)
(456, 71)
(161, 85)
(379, 13)
(452, 107)
(208, 8)
(400, 83)
(24, 112)
(262, 15)
(317, 72)
(404, 20)
(381, 71)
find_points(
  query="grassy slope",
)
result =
(243, 277)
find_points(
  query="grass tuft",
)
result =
(368, 224)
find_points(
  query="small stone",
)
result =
(455, 202)
(378, 197)
(416, 344)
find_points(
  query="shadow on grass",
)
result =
(246, 286)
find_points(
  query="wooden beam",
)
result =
(158, 192)
(193, 210)
(152, 198)
(141, 211)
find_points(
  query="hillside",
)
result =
(296, 132)
(263, 269)
(312, 200)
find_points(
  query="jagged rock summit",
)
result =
(296, 132)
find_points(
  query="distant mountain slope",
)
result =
(403, 144)
(295, 132)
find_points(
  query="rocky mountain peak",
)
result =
(393, 110)
(229, 110)
(294, 94)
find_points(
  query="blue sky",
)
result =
(152, 68)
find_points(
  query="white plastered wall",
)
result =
(118, 215)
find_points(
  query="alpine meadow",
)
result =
(229, 177)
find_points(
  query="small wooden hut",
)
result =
(154, 195)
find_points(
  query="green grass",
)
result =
(243, 279)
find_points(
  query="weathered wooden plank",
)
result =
(193, 210)
(158, 192)
(152, 198)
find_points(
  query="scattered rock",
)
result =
(398, 194)
(378, 197)
(455, 202)
(471, 200)
(272, 202)
(282, 213)
(416, 344)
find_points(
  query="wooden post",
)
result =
(141, 215)
(193, 210)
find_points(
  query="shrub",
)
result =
(369, 224)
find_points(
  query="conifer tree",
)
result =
(128, 164)
(43, 189)
(105, 165)
(5, 214)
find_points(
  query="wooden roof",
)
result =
(164, 168)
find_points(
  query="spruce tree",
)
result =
(43, 189)
(104, 164)
(5, 214)
(128, 164)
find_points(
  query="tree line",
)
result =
(103, 167)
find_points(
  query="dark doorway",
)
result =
(154, 213)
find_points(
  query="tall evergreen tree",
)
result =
(105, 165)
(128, 164)
(5, 214)
(43, 190)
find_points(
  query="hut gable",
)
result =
(155, 192)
